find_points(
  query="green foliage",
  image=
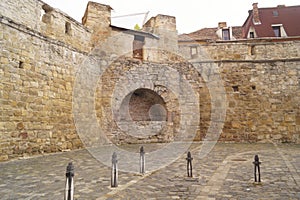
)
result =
(137, 27)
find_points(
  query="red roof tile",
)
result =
(287, 16)
(209, 34)
(203, 34)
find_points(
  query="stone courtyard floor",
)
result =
(225, 173)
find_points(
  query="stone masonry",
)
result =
(261, 78)
(61, 79)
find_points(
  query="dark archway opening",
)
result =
(143, 105)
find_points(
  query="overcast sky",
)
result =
(191, 15)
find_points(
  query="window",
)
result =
(235, 88)
(67, 28)
(251, 50)
(275, 13)
(21, 64)
(225, 34)
(251, 34)
(138, 44)
(276, 30)
(194, 52)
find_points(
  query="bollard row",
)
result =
(69, 189)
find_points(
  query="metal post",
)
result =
(114, 171)
(142, 160)
(256, 168)
(189, 165)
(69, 190)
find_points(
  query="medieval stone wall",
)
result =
(37, 74)
(165, 27)
(175, 88)
(263, 101)
(43, 52)
(42, 49)
(40, 18)
(262, 82)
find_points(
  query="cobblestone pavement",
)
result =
(226, 173)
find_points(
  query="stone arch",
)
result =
(156, 117)
(143, 105)
(175, 83)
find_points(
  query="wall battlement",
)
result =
(50, 22)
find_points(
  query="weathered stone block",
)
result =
(298, 120)
(3, 158)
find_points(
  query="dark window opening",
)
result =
(194, 52)
(225, 34)
(21, 65)
(275, 13)
(251, 34)
(138, 44)
(276, 30)
(251, 50)
(235, 88)
(253, 87)
(67, 28)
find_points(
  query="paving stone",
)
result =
(43, 177)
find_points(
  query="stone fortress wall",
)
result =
(42, 50)
(262, 82)
(38, 64)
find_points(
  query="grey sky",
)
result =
(191, 15)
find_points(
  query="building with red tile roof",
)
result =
(280, 21)
(214, 34)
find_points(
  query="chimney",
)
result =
(222, 25)
(281, 6)
(256, 19)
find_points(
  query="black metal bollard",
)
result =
(69, 191)
(256, 168)
(142, 160)
(189, 165)
(114, 170)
